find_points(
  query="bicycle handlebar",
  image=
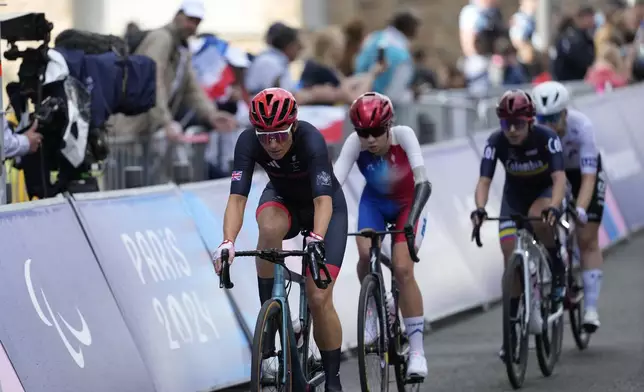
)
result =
(275, 256)
(519, 219)
(409, 236)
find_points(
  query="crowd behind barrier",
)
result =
(115, 290)
(436, 116)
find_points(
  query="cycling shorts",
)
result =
(376, 211)
(301, 218)
(517, 202)
(595, 210)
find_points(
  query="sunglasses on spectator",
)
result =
(507, 123)
(548, 118)
(375, 132)
(280, 137)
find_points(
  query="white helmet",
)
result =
(550, 98)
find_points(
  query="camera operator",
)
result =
(18, 145)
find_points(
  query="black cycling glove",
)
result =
(551, 215)
(478, 215)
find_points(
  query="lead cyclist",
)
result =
(583, 166)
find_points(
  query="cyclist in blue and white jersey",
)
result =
(535, 184)
(396, 191)
(583, 166)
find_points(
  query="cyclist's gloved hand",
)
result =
(478, 216)
(216, 257)
(551, 215)
(582, 216)
(315, 246)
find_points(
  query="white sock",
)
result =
(414, 327)
(592, 287)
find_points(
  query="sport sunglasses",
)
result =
(548, 118)
(507, 123)
(364, 133)
(265, 137)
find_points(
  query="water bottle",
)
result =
(391, 308)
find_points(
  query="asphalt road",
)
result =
(463, 357)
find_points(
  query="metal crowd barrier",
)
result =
(437, 116)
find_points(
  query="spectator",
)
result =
(424, 78)
(450, 77)
(575, 47)
(220, 70)
(18, 145)
(476, 67)
(322, 69)
(609, 69)
(637, 50)
(392, 46)
(480, 23)
(176, 81)
(505, 58)
(522, 29)
(354, 33)
(270, 68)
(610, 32)
(476, 18)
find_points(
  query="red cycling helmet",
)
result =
(516, 104)
(371, 111)
(272, 108)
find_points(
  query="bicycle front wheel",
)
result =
(515, 331)
(270, 371)
(373, 360)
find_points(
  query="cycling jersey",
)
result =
(579, 148)
(528, 166)
(581, 156)
(390, 175)
(528, 169)
(289, 189)
(308, 159)
(389, 190)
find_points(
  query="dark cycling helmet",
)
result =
(516, 104)
(371, 110)
(272, 108)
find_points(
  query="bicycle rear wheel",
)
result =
(373, 359)
(268, 367)
(515, 329)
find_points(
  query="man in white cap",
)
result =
(176, 81)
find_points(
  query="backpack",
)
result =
(90, 43)
(133, 39)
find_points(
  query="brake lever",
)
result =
(326, 282)
(224, 277)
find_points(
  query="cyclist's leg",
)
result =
(275, 222)
(369, 217)
(591, 255)
(411, 300)
(545, 234)
(327, 329)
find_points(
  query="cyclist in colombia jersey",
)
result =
(583, 166)
(302, 193)
(535, 182)
(396, 191)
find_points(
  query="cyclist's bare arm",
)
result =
(234, 216)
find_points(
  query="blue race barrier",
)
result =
(162, 278)
(61, 327)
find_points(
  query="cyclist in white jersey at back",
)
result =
(583, 166)
(396, 191)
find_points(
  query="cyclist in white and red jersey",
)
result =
(396, 191)
(583, 165)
